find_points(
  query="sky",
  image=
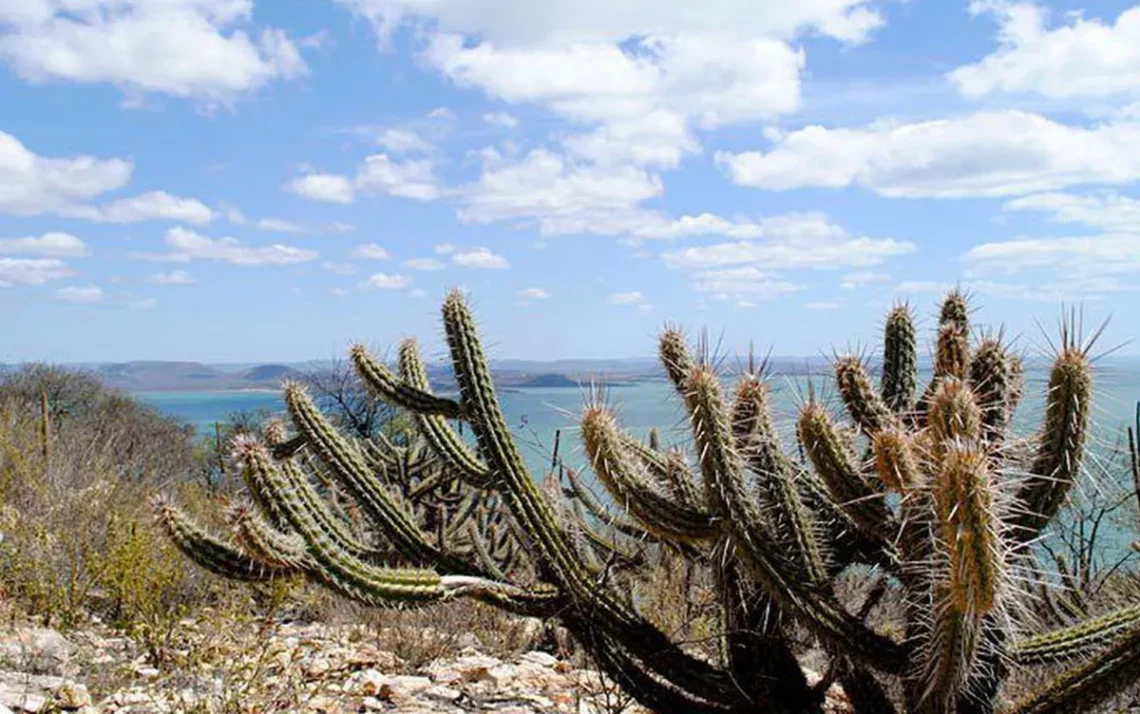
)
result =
(247, 180)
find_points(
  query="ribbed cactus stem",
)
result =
(868, 410)
(1060, 450)
(900, 360)
(964, 504)
(992, 380)
(675, 357)
(759, 445)
(952, 352)
(1085, 687)
(950, 652)
(895, 461)
(440, 436)
(837, 467)
(381, 379)
(954, 415)
(209, 551)
(630, 487)
(955, 310)
(1078, 640)
(266, 544)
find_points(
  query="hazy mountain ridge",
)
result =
(159, 375)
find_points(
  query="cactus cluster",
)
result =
(926, 487)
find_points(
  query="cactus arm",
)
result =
(867, 409)
(631, 488)
(1079, 640)
(759, 445)
(1057, 462)
(440, 436)
(722, 470)
(382, 381)
(264, 543)
(992, 380)
(1086, 686)
(349, 467)
(836, 466)
(313, 506)
(210, 552)
(900, 360)
(669, 469)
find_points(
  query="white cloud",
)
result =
(534, 294)
(48, 245)
(822, 305)
(370, 251)
(329, 188)
(1108, 211)
(1039, 291)
(1110, 254)
(863, 278)
(630, 298)
(502, 119)
(416, 293)
(643, 98)
(750, 282)
(983, 154)
(561, 195)
(424, 264)
(201, 49)
(384, 281)
(565, 22)
(794, 241)
(403, 141)
(152, 205)
(143, 304)
(173, 277)
(278, 225)
(444, 248)
(442, 113)
(480, 258)
(414, 179)
(89, 293)
(1083, 58)
(339, 268)
(31, 271)
(188, 245)
(31, 184)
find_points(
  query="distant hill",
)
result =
(269, 373)
(157, 376)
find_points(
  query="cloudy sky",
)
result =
(232, 180)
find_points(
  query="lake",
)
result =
(535, 414)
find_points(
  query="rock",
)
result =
(27, 692)
(542, 659)
(72, 696)
(402, 686)
(37, 648)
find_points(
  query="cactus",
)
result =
(923, 488)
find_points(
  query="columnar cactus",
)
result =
(923, 487)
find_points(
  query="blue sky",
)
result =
(240, 180)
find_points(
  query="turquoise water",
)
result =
(534, 415)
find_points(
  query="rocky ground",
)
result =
(280, 667)
(208, 667)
